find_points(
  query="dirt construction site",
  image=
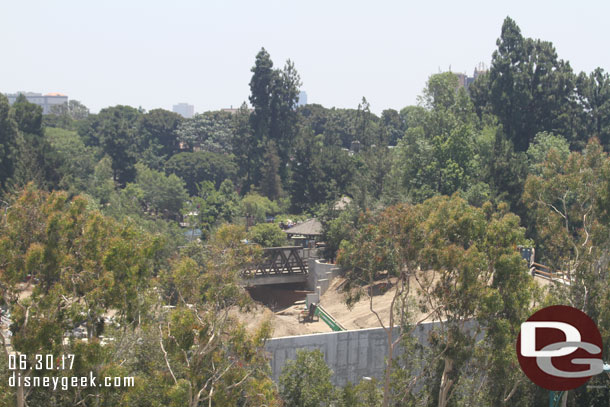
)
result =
(284, 305)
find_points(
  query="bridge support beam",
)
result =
(274, 279)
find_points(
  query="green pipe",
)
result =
(328, 319)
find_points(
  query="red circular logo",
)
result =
(559, 348)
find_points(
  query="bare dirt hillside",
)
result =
(277, 304)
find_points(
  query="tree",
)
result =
(319, 173)
(66, 115)
(271, 184)
(261, 89)
(305, 382)
(161, 128)
(76, 160)
(35, 158)
(337, 226)
(283, 131)
(257, 207)
(529, 89)
(569, 205)
(246, 149)
(215, 206)
(540, 148)
(366, 129)
(501, 168)
(209, 356)
(28, 116)
(65, 265)
(210, 131)
(274, 94)
(73, 109)
(200, 166)
(452, 263)
(440, 91)
(594, 96)
(566, 204)
(118, 132)
(477, 274)
(8, 145)
(392, 126)
(267, 235)
(364, 394)
(385, 247)
(438, 153)
(159, 193)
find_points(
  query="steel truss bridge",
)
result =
(280, 265)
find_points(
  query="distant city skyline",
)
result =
(154, 55)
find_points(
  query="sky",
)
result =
(155, 54)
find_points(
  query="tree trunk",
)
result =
(20, 395)
(446, 383)
(388, 370)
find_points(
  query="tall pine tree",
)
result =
(274, 94)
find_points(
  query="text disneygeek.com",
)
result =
(24, 374)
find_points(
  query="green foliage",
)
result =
(439, 153)
(462, 262)
(8, 143)
(541, 147)
(34, 159)
(209, 356)
(364, 394)
(270, 184)
(319, 173)
(568, 202)
(274, 94)
(161, 132)
(76, 161)
(247, 152)
(101, 184)
(159, 193)
(594, 96)
(214, 206)
(73, 109)
(267, 235)
(440, 92)
(305, 382)
(210, 131)
(28, 116)
(528, 88)
(392, 126)
(257, 207)
(66, 116)
(66, 265)
(337, 228)
(195, 168)
(117, 130)
(503, 169)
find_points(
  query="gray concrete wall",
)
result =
(320, 275)
(351, 355)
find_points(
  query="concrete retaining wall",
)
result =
(351, 355)
(319, 278)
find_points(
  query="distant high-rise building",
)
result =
(465, 81)
(44, 101)
(302, 99)
(184, 110)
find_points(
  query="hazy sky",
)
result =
(159, 53)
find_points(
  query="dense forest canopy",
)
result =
(147, 214)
